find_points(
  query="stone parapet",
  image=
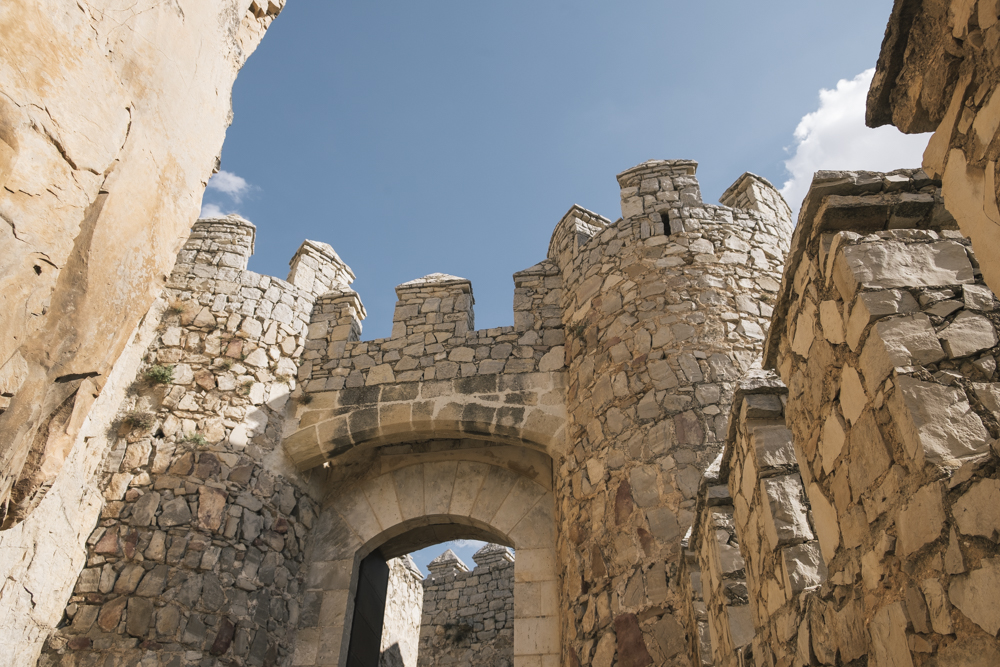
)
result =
(218, 243)
(887, 338)
(317, 268)
(537, 295)
(432, 338)
(755, 193)
(437, 303)
(656, 186)
(572, 232)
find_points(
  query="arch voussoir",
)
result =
(522, 410)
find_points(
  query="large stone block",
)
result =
(785, 512)
(937, 423)
(890, 264)
(898, 342)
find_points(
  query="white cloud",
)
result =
(835, 137)
(474, 544)
(213, 211)
(230, 184)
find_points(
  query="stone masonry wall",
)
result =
(469, 616)
(663, 311)
(764, 560)
(938, 71)
(433, 339)
(887, 339)
(200, 548)
(404, 601)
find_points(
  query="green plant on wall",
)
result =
(160, 374)
(139, 420)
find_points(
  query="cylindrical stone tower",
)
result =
(663, 311)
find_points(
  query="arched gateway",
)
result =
(418, 505)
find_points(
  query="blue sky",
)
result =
(452, 136)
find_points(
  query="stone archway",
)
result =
(419, 505)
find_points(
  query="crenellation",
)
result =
(219, 242)
(437, 303)
(316, 267)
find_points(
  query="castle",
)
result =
(712, 437)
(710, 441)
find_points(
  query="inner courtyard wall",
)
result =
(468, 616)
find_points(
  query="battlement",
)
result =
(223, 242)
(435, 303)
(656, 186)
(316, 267)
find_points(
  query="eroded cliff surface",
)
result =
(112, 116)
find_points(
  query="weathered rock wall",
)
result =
(41, 557)
(112, 120)
(865, 546)
(664, 310)
(889, 351)
(404, 601)
(939, 71)
(468, 617)
(760, 556)
(200, 546)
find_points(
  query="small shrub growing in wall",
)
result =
(226, 364)
(196, 439)
(305, 399)
(176, 308)
(283, 378)
(160, 374)
(245, 387)
(139, 420)
(457, 632)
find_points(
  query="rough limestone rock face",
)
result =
(111, 122)
(938, 71)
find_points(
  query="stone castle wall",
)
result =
(664, 311)
(708, 513)
(859, 496)
(200, 546)
(938, 71)
(468, 617)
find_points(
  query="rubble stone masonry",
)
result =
(200, 546)
(469, 616)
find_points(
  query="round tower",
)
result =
(663, 311)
